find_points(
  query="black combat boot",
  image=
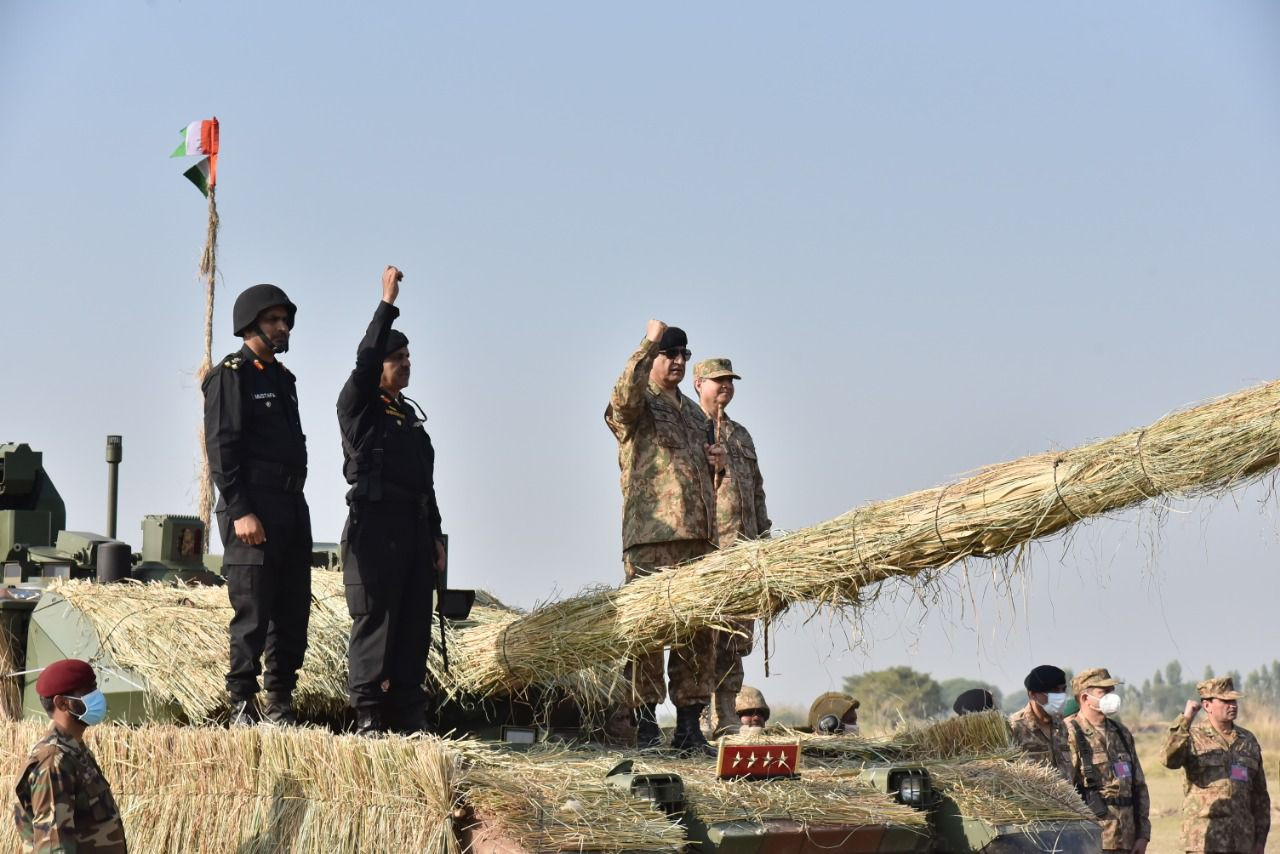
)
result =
(647, 732)
(280, 710)
(688, 737)
(244, 711)
(370, 722)
(412, 719)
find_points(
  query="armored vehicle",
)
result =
(876, 799)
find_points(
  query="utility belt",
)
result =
(375, 489)
(276, 477)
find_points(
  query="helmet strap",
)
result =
(257, 330)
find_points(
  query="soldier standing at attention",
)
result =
(740, 514)
(1226, 806)
(1105, 764)
(258, 459)
(668, 507)
(392, 546)
(1037, 726)
(64, 802)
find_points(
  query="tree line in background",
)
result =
(902, 693)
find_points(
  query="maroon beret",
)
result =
(65, 677)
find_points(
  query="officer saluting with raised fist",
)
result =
(392, 546)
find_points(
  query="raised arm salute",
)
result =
(392, 545)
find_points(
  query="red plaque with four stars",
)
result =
(756, 761)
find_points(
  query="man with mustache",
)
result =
(392, 546)
(1227, 807)
(668, 517)
(258, 460)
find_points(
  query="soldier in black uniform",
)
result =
(258, 458)
(392, 546)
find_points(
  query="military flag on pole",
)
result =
(200, 137)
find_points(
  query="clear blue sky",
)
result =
(930, 237)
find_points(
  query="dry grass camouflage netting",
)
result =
(176, 638)
(995, 512)
(264, 789)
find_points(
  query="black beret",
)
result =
(673, 337)
(1045, 678)
(395, 340)
(974, 700)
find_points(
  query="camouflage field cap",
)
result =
(1222, 688)
(749, 698)
(1097, 677)
(831, 703)
(714, 369)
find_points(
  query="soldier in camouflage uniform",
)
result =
(1226, 807)
(740, 515)
(667, 516)
(64, 802)
(1037, 726)
(1105, 764)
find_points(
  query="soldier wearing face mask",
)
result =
(1037, 726)
(1105, 767)
(64, 802)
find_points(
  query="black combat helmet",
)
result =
(253, 301)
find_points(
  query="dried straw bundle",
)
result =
(176, 638)
(984, 735)
(264, 790)
(554, 798)
(1218, 445)
(980, 734)
(10, 662)
(1002, 792)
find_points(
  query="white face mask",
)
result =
(1053, 703)
(1109, 704)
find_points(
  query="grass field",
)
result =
(1166, 786)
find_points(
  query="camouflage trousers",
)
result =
(691, 667)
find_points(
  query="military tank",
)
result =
(912, 809)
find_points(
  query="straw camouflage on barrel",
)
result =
(1215, 446)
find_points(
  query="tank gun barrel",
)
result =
(1218, 445)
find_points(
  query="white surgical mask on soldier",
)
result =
(1054, 702)
(1109, 704)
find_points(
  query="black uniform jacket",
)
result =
(387, 454)
(252, 430)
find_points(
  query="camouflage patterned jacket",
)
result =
(64, 802)
(1107, 772)
(667, 491)
(1052, 750)
(740, 511)
(1226, 807)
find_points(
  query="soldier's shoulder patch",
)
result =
(234, 362)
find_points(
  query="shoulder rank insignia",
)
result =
(234, 362)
